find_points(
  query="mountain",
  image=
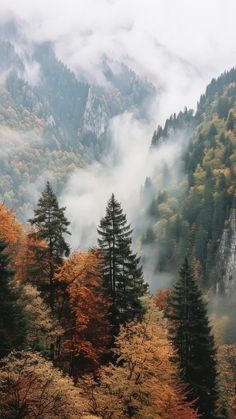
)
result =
(192, 209)
(52, 120)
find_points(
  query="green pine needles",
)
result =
(194, 343)
(51, 225)
(122, 272)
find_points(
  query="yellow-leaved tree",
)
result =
(32, 388)
(11, 230)
(227, 378)
(141, 383)
(43, 329)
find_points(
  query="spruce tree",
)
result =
(51, 225)
(194, 343)
(12, 318)
(230, 121)
(122, 272)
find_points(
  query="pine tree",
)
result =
(230, 121)
(12, 319)
(191, 337)
(51, 225)
(122, 272)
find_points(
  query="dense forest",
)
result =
(82, 333)
(52, 120)
(189, 213)
(81, 336)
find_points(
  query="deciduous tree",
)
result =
(42, 327)
(227, 378)
(161, 298)
(31, 259)
(31, 388)
(83, 312)
(140, 384)
(10, 229)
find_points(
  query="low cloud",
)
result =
(178, 46)
(123, 173)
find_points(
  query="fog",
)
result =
(178, 46)
(123, 172)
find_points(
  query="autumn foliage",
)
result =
(10, 229)
(161, 298)
(71, 365)
(140, 384)
(12, 232)
(227, 369)
(31, 387)
(83, 312)
(30, 260)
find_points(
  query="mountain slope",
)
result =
(51, 120)
(189, 217)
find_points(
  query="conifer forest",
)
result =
(117, 209)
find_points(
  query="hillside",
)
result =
(117, 215)
(52, 120)
(188, 214)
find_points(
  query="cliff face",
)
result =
(69, 107)
(226, 260)
(96, 114)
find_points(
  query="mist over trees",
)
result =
(106, 347)
(188, 216)
(81, 334)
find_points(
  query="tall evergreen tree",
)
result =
(12, 318)
(122, 272)
(230, 121)
(191, 336)
(51, 225)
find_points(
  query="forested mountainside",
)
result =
(81, 340)
(189, 212)
(52, 120)
(81, 333)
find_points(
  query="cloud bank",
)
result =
(179, 46)
(122, 173)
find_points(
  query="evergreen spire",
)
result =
(194, 343)
(51, 226)
(122, 272)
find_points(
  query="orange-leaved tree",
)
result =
(12, 232)
(161, 298)
(31, 387)
(10, 229)
(141, 384)
(83, 313)
(30, 259)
